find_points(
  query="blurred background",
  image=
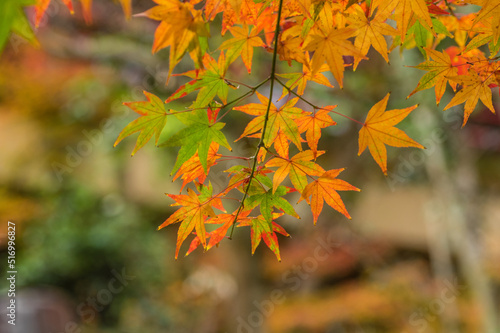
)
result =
(421, 254)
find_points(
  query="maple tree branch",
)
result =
(313, 105)
(261, 144)
(242, 97)
(296, 94)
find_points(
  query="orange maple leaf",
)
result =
(300, 80)
(440, 69)
(296, 168)
(290, 45)
(313, 123)
(180, 28)
(378, 131)
(325, 189)
(192, 216)
(262, 229)
(242, 44)
(281, 119)
(192, 168)
(217, 235)
(330, 44)
(41, 7)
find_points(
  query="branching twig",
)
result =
(261, 144)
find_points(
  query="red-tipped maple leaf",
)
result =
(193, 169)
(192, 215)
(260, 228)
(152, 121)
(440, 69)
(324, 189)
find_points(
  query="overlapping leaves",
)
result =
(324, 38)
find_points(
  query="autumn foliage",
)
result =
(321, 36)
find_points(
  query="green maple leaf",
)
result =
(13, 19)
(267, 200)
(152, 121)
(196, 137)
(209, 81)
(266, 230)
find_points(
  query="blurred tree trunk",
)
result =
(455, 219)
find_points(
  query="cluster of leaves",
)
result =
(320, 35)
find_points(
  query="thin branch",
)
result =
(261, 144)
(242, 97)
(315, 106)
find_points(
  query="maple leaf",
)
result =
(474, 88)
(196, 137)
(490, 10)
(324, 189)
(371, 31)
(266, 200)
(234, 11)
(378, 131)
(290, 45)
(195, 209)
(209, 81)
(192, 169)
(439, 70)
(404, 12)
(13, 19)
(181, 28)
(260, 228)
(87, 10)
(216, 236)
(330, 44)
(296, 168)
(281, 119)
(42, 6)
(299, 80)
(313, 123)
(152, 121)
(242, 44)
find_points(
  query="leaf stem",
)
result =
(261, 144)
(315, 106)
(245, 95)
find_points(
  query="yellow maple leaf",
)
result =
(242, 44)
(180, 28)
(330, 44)
(440, 69)
(378, 131)
(404, 10)
(490, 10)
(474, 88)
(370, 31)
(325, 189)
